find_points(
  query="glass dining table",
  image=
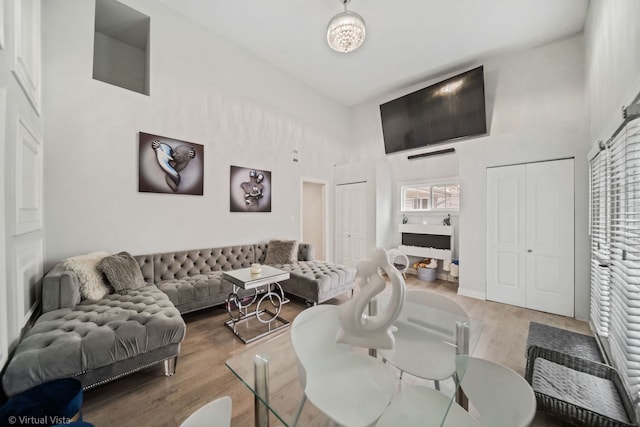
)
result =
(270, 369)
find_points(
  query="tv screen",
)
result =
(453, 108)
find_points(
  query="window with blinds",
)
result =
(615, 227)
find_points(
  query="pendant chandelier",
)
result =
(345, 32)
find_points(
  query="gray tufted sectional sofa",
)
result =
(97, 342)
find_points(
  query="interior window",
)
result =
(429, 197)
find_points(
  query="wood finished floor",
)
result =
(148, 398)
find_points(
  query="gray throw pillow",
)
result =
(281, 252)
(123, 272)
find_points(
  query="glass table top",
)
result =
(244, 278)
(426, 328)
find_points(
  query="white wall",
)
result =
(203, 90)
(536, 111)
(612, 36)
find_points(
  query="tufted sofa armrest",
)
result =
(60, 289)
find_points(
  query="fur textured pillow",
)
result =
(122, 271)
(281, 252)
(93, 286)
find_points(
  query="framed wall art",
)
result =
(250, 190)
(170, 165)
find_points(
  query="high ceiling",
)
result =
(408, 41)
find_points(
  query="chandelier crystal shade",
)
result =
(346, 32)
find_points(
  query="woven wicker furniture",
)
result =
(571, 380)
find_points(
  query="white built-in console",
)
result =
(427, 241)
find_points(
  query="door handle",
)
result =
(529, 250)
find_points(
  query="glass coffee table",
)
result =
(270, 371)
(256, 316)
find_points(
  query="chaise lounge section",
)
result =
(97, 342)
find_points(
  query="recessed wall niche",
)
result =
(121, 46)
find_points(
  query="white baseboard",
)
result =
(472, 294)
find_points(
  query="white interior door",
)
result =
(530, 236)
(550, 237)
(351, 223)
(506, 246)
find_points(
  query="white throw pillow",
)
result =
(93, 284)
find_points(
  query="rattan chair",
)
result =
(571, 382)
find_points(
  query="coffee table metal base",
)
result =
(250, 328)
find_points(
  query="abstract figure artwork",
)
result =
(357, 327)
(170, 165)
(250, 190)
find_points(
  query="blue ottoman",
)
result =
(48, 404)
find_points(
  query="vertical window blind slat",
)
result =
(600, 278)
(622, 235)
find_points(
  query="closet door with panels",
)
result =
(530, 236)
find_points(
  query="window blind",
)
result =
(599, 224)
(624, 249)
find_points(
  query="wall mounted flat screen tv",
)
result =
(451, 109)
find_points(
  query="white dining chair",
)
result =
(420, 406)
(399, 260)
(498, 396)
(216, 413)
(426, 332)
(501, 396)
(351, 388)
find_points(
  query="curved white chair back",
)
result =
(500, 395)
(314, 342)
(216, 413)
(418, 406)
(436, 300)
(426, 328)
(418, 299)
(399, 260)
(351, 388)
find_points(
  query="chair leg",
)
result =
(170, 366)
(299, 410)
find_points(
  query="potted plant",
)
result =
(426, 269)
